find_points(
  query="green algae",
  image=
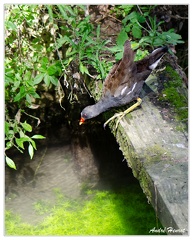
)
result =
(124, 211)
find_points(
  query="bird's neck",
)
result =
(105, 104)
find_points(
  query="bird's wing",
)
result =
(149, 63)
(125, 74)
(122, 75)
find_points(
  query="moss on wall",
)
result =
(175, 93)
(156, 153)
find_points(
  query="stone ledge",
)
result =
(158, 154)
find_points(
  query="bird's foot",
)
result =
(122, 114)
(114, 116)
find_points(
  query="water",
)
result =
(72, 166)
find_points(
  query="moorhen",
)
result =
(124, 83)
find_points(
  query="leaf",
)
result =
(34, 106)
(28, 139)
(38, 137)
(134, 45)
(10, 25)
(158, 42)
(140, 54)
(101, 70)
(10, 162)
(6, 128)
(28, 98)
(18, 116)
(118, 56)
(124, 21)
(9, 145)
(47, 80)
(98, 31)
(26, 126)
(62, 40)
(126, 8)
(54, 80)
(16, 85)
(50, 13)
(52, 70)
(171, 37)
(140, 18)
(31, 151)
(43, 69)
(38, 78)
(19, 142)
(32, 142)
(44, 61)
(127, 28)
(21, 134)
(63, 12)
(35, 95)
(116, 49)
(20, 95)
(18, 77)
(136, 31)
(132, 16)
(122, 37)
(25, 138)
(83, 69)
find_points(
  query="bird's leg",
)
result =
(138, 103)
(122, 114)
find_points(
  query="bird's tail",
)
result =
(151, 61)
(156, 56)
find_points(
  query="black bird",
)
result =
(124, 83)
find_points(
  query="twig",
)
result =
(142, 15)
(103, 17)
(33, 117)
(178, 17)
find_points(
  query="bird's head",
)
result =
(88, 113)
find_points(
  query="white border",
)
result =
(190, 3)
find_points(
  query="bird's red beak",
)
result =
(82, 120)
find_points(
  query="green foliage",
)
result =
(122, 10)
(124, 212)
(48, 73)
(16, 135)
(10, 162)
(134, 23)
(83, 44)
(25, 68)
